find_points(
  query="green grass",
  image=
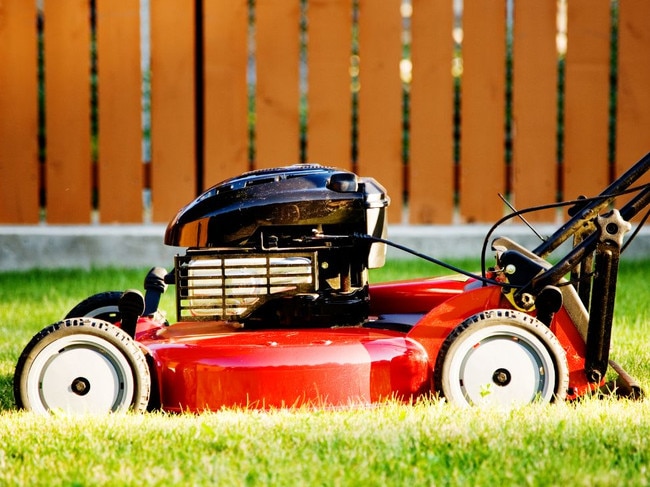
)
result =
(592, 442)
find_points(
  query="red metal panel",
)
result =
(284, 368)
(431, 164)
(19, 183)
(120, 111)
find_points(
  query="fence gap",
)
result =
(355, 85)
(94, 112)
(42, 132)
(562, 44)
(613, 91)
(406, 71)
(303, 83)
(457, 74)
(508, 126)
(199, 95)
(145, 103)
(251, 83)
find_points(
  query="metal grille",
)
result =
(231, 286)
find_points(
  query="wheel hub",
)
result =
(502, 377)
(80, 386)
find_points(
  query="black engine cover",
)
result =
(297, 200)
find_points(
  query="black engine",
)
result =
(278, 247)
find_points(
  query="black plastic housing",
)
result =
(281, 208)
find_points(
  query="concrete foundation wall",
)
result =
(47, 247)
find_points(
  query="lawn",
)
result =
(592, 442)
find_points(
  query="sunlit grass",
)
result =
(596, 442)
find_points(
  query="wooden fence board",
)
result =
(483, 111)
(633, 107)
(19, 184)
(535, 79)
(225, 27)
(277, 133)
(120, 117)
(173, 123)
(431, 163)
(586, 98)
(380, 98)
(67, 111)
(329, 95)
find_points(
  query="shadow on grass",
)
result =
(7, 393)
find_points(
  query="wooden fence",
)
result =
(446, 108)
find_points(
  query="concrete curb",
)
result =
(94, 246)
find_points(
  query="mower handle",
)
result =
(587, 246)
(591, 209)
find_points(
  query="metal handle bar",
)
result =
(590, 210)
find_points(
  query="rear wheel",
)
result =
(102, 306)
(82, 365)
(501, 357)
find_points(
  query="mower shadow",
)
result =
(7, 393)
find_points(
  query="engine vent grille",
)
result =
(230, 286)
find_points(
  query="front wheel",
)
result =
(102, 306)
(82, 365)
(501, 357)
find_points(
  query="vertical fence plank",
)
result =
(19, 183)
(225, 89)
(330, 101)
(67, 111)
(535, 71)
(380, 98)
(120, 106)
(483, 110)
(173, 124)
(431, 164)
(586, 98)
(633, 107)
(277, 134)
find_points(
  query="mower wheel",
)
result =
(102, 306)
(501, 357)
(82, 365)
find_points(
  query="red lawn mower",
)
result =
(274, 309)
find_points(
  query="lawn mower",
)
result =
(274, 309)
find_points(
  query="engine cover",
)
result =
(277, 207)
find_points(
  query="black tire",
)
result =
(82, 365)
(102, 306)
(501, 358)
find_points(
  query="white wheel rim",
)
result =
(104, 310)
(501, 365)
(80, 373)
